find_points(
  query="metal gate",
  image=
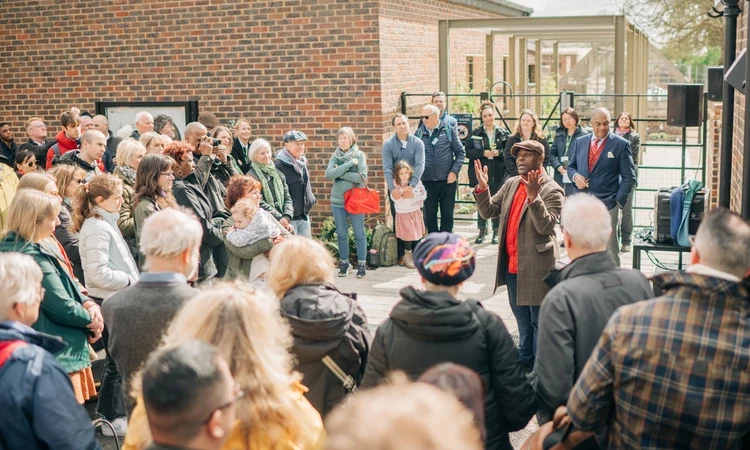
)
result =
(669, 155)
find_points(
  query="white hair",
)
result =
(255, 146)
(21, 278)
(168, 233)
(432, 109)
(142, 115)
(586, 220)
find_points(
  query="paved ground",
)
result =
(379, 290)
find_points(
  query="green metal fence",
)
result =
(682, 158)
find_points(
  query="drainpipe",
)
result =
(731, 11)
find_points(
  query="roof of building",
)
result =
(504, 7)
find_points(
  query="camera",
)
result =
(215, 142)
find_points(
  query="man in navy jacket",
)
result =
(602, 165)
(444, 156)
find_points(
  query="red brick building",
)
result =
(311, 65)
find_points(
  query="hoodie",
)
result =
(428, 328)
(64, 145)
(326, 322)
(73, 158)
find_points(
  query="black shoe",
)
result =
(343, 269)
(494, 237)
(480, 238)
(361, 271)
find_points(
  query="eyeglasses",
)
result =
(168, 174)
(425, 117)
(31, 163)
(38, 126)
(238, 394)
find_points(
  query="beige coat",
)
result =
(537, 242)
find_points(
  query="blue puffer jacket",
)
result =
(444, 152)
(39, 409)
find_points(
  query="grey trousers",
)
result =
(614, 245)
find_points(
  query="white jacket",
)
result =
(107, 263)
(407, 205)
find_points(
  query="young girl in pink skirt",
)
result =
(408, 202)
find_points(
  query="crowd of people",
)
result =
(189, 259)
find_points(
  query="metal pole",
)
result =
(745, 193)
(619, 64)
(684, 155)
(731, 11)
(704, 137)
(444, 55)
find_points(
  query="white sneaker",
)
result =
(120, 425)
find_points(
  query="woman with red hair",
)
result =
(241, 258)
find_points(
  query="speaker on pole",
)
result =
(684, 105)
(715, 78)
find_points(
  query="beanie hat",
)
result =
(445, 259)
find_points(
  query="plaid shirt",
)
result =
(673, 372)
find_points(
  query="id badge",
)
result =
(435, 141)
(564, 159)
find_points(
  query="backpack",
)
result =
(384, 247)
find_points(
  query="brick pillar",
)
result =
(713, 148)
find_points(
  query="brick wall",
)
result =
(739, 125)
(713, 148)
(314, 65)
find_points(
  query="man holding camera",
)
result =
(212, 164)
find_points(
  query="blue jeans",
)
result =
(342, 218)
(302, 228)
(527, 318)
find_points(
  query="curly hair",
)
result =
(238, 187)
(177, 150)
(245, 207)
(147, 180)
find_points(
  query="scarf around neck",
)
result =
(620, 132)
(129, 174)
(347, 156)
(273, 194)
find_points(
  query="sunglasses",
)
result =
(425, 117)
(238, 394)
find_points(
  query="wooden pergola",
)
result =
(630, 44)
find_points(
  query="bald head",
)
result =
(93, 145)
(193, 133)
(600, 120)
(101, 124)
(586, 225)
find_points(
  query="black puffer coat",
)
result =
(428, 328)
(326, 322)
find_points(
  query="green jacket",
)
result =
(61, 312)
(346, 176)
(241, 258)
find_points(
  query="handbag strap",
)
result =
(363, 180)
(346, 380)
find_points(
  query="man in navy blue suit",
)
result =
(602, 164)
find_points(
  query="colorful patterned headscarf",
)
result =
(444, 259)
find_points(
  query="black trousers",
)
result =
(440, 195)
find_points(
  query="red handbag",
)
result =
(362, 200)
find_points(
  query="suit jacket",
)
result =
(613, 177)
(537, 242)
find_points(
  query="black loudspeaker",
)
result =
(684, 105)
(715, 78)
(663, 214)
